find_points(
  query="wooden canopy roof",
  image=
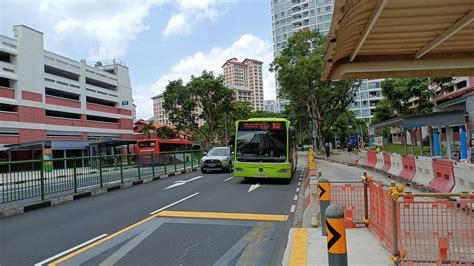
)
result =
(400, 38)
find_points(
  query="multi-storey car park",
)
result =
(48, 98)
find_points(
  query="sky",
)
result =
(159, 40)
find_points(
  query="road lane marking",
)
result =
(297, 189)
(299, 248)
(253, 187)
(69, 250)
(299, 183)
(224, 215)
(228, 179)
(82, 250)
(174, 203)
(293, 208)
(295, 197)
(183, 182)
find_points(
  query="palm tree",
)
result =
(148, 129)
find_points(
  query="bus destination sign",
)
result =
(262, 125)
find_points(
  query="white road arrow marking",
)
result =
(253, 187)
(182, 182)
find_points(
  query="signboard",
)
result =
(47, 157)
(371, 131)
(379, 141)
(124, 102)
(354, 140)
(261, 126)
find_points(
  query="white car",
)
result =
(217, 159)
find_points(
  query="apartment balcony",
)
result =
(62, 101)
(6, 92)
(9, 116)
(57, 82)
(8, 70)
(103, 108)
(8, 45)
(63, 121)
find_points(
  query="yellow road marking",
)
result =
(223, 215)
(79, 251)
(299, 247)
(208, 215)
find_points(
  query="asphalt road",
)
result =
(128, 228)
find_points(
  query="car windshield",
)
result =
(219, 152)
(265, 144)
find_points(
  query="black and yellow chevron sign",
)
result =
(324, 193)
(336, 239)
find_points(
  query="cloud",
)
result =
(247, 46)
(191, 12)
(110, 23)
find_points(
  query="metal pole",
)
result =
(430, 137)
(396, 252)
(406, 141)
(100, 172)
(74, 172)
(121, 168)
(192, 159)
(174, 159)
(138, 166)
(184, 160)
(152, 164)
(324, 201)
(42, 180)
(366, 198)
(225, 128)
(336, 236)
(448, 142)
(413, 141)
(421, 141)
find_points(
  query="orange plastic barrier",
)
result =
(387, 163)
(350, 198)
(409, 168)
(443, 171)
(371, 158)
(436, 232)
(380, 213)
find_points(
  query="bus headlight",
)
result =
(284, 171)
(238, 169)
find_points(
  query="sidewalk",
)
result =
(341, 156)
(306, 246)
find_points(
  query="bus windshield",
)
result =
(146, 144)
(261, 142)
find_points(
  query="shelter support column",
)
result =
(436, 142)
(463, 142)
(430, 137)
(421, 141)
(405, 140)
(448, 142)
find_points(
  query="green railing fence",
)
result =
(22, 180)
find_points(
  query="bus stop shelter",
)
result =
(402, 39)
(435, 122)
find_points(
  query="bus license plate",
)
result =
(261, 175)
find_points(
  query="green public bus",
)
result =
(265, 148)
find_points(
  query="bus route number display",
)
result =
(262, 125)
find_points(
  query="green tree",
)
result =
(399, 93)
(383, 111)
(299, 70)
(236, 111)
(148, 129)
(165, 133)
(203, 98)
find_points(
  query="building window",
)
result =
(461, 84)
